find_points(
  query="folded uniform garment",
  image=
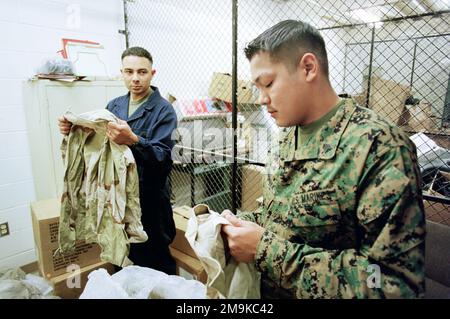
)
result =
(100, 201)
(231, 278)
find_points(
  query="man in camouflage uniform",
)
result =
(343, 214)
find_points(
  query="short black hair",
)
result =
(288, 41)
(137, 51)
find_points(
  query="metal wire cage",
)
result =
(391, 56)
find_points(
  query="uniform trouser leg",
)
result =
(153, 255)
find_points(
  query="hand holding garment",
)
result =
(231, 278)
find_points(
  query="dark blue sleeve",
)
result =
(110, 104)
(156, 149)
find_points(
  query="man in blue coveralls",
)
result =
(146, 126)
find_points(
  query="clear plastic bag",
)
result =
(141, 283)
(56, 65)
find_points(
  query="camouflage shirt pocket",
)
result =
(315, 209)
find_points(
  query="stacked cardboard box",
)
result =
(252, 181)
(53, 265)
(387, 97)
(421, 118)
(71, 285)
(180, 243)
(220, 88)
(188, 265)
(437, 212)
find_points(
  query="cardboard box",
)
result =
(360, 99)
(252, 180)
(220, 88)
(434, 211)
(190, 265)
(421, 118)
(437, 212)
(71, 285)
(45, 216)
(184, 211)
(180, 243)
(387, 97)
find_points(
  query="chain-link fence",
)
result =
(391, 56)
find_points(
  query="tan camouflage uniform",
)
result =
(347, 199)
(100, 202)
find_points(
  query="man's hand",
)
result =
(121, 133)
(64, 125)
(243, 237)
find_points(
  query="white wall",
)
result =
(30, 31)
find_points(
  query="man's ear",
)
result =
(153, 72)
(310, 66)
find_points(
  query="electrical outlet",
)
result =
(4, 229)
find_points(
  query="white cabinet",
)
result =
(47, 100)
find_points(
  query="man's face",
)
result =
(137, 73)
(284, 91)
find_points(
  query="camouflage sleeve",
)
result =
(251, 216)
(389, 260)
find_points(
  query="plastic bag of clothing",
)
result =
(134, 282)
(56, 65)
(12, 273)
(17, 289)
(101, 286)
(15, 284)
(40, 283)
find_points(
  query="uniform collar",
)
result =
(147, 106)
(327, 138)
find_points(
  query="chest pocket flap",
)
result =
(315, 208)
